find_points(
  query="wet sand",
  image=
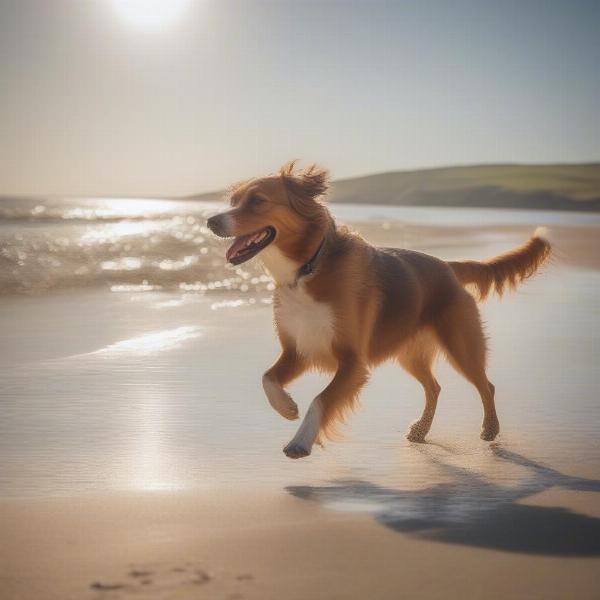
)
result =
(140, 459)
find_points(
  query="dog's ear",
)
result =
(305, 187)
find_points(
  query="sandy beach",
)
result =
(235, 544)
(139, 458)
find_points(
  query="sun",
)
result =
(151, 14)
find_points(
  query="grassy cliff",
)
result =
(549, 187)
(567, 187)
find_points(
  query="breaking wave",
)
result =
(123, 244)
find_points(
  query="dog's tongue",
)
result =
(238, 244)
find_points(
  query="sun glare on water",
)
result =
(151, 14)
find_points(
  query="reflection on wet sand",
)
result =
(155, 341)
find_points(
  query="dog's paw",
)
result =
(280, 400)
(417, 432)
(489, 431)
(289, 410)
(296, 450)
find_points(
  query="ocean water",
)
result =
(131, 360)
(149, 245)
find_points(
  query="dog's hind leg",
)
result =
(288, 367)
(461, 334)
(416, 358)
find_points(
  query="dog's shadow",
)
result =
(472, 511)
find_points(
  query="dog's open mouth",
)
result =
(244, 247)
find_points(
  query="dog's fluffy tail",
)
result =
(506, 271)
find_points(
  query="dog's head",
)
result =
(282, 209)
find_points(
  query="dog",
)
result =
(343, 306)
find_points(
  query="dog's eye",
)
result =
(255, 201)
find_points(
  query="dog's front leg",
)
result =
(330, 404)
(287, 367)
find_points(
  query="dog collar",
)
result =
(309, 267)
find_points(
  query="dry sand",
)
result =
(240, 545)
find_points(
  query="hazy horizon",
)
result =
(334, 179)
(100, 100)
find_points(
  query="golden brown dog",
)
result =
(344, 306)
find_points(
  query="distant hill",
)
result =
(548, 187)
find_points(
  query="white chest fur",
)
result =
(308, 322)
(282, 269)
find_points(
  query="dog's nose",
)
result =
(210, 223)
(215, 224)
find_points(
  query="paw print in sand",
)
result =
(158, 581)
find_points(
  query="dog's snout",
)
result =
(217, 226)
(211, 223)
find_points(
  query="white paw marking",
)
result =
(295, 451)
(302, 443)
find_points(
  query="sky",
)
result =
(98, 97)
